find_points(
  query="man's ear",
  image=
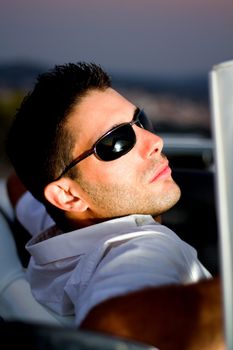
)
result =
(64, 195)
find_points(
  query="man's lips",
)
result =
(162, 172)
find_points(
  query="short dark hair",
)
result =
(38, 144)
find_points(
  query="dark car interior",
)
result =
(194, 216)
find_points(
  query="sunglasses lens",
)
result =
(116, 143)
(144, 122)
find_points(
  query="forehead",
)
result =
(98, 111)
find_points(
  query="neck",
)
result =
(71, 223)
(158, 218)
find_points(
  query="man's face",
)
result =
(139, 182)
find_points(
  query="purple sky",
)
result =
(131, 36)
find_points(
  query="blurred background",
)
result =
(159, 54)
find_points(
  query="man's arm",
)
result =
(171, 317)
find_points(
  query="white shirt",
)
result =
(72, 272)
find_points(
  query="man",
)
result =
(90, 156)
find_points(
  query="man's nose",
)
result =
(150, 143)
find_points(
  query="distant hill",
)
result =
(23, 75)
(194, 87)
(19, 75)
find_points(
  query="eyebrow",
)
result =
(137, 109)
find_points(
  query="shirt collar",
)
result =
(52, 244)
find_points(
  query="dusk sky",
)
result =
(147, 37)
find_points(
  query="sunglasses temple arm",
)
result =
(74, 162)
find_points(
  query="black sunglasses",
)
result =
(116, 142)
